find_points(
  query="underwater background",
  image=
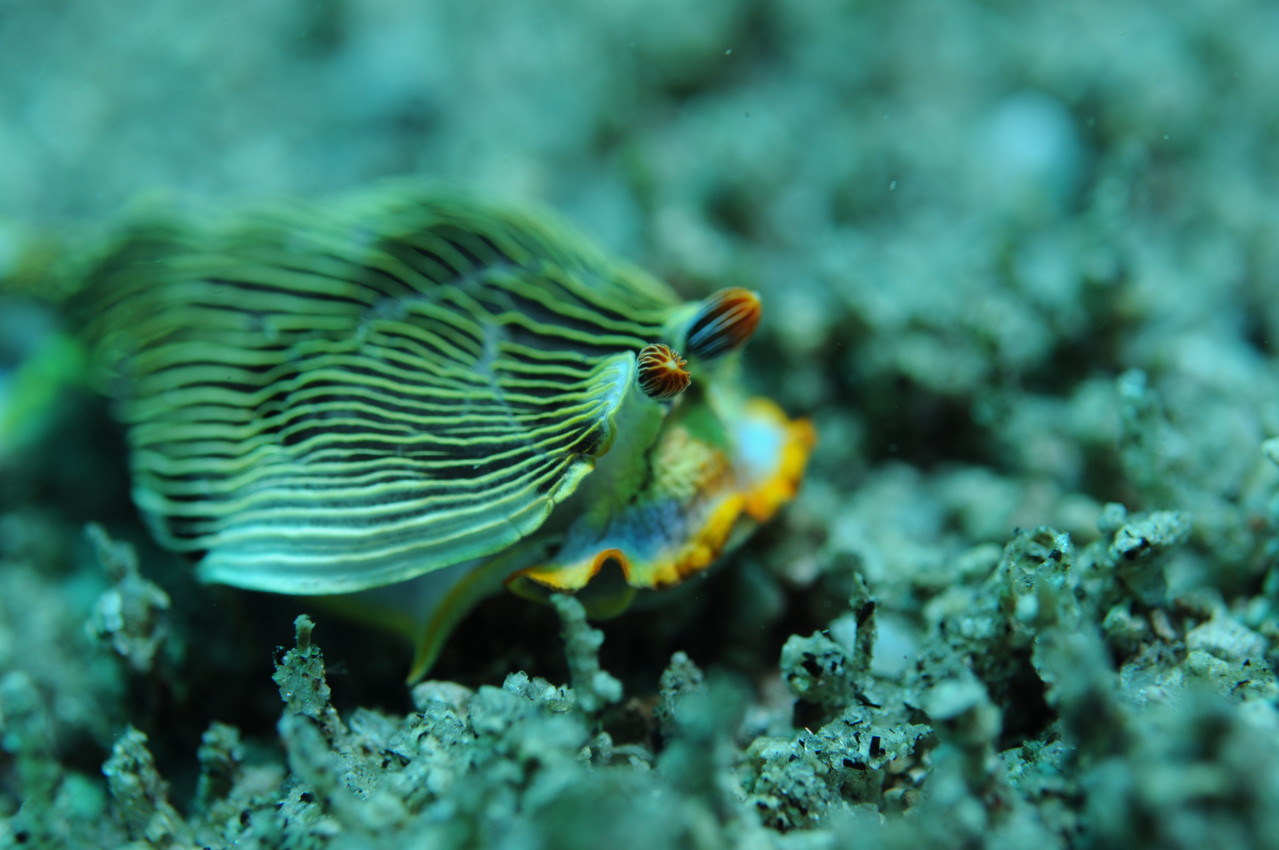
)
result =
(1019, 265)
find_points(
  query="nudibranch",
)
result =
(413, 389)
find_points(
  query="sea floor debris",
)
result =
(1061, 687)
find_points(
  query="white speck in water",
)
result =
(892, 187)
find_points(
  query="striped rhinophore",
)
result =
(723, 322)
(663, 374)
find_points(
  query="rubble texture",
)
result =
(1018, 264)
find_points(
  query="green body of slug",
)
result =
(327, 399)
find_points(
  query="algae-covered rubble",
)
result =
(497, 766)
(1067, 700)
